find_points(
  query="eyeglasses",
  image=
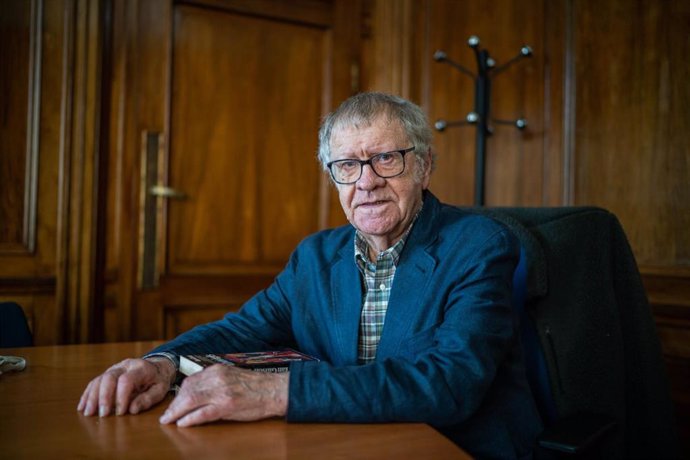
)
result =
(385, 165)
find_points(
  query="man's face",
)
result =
(381, 209)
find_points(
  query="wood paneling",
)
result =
(20, 54)
(306, 12)
(28, 273)
(389, 33)
(49, 138)
(669, 295)
(79, 217)
(631, 147)
(181, 318)
(255, 143)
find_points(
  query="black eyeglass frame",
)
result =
(402, 152)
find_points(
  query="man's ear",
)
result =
(426, 175)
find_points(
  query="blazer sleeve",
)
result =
(444, 382)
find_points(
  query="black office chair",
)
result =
(593, 357)
(14, 329)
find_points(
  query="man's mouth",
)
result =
(369, 204)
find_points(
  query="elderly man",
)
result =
(408, 309)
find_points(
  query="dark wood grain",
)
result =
(51, 77)
(631, 147)
(15, 107)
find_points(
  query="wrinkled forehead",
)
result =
(381, 121)
(376, 136)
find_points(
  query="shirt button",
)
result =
(382, 286)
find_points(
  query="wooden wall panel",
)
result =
(669, 294)
(18, 51)
(390, 33)
(631, 148)
(27, 139)
(49, 140)
(180, 318)
(515, 159)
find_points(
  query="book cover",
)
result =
(261, 361)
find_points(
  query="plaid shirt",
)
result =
(377, 280)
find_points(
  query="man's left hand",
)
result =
(228, 393)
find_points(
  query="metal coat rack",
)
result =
(480, 117)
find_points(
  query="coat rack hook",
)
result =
(525, 52)
(441, 56)
(471, 119)
(520, 123)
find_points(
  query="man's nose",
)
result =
(369, 179)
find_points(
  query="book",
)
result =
(260, 361)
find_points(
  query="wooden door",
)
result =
(225, 157)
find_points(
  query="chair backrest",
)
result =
(535, 362)
(14, 329)
(582, 297)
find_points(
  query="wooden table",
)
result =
(38, 419)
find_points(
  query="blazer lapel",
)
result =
(405, 303)
(346, 304)
(412, 276)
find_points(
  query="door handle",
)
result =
(152, 209)
(164, 191)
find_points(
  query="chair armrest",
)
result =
(576, 433)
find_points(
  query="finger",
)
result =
(106, 393)
(174, 411)
(92, 397)
(123, 392)
(185, 402)
(85, 397)
(148, 398)
(204, 414)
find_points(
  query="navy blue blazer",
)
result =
(449, 353)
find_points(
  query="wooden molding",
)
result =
(392, 35)
(300, 11)
(19, 207)
(78, 191)
(33, 128)
(27, 286)
(668, 290)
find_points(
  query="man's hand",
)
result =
(227, 393)
(132, 385)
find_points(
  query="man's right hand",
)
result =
(130, 386)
